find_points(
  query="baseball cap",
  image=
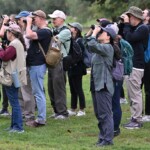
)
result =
(39, 13)
(14, 27)
(22, 14)
(103, 22)
(114, 26)
(58, 13)
(110, 31)
(76, 25)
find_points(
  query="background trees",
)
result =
(84, 11)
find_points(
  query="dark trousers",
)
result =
(122, 95)
(116, 108)
(57, 89)
(102, 102)
(5, 99)
(146, 80)
(76, 90)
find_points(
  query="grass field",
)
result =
(75, 133)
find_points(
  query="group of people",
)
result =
(134, 28)
(26, 31)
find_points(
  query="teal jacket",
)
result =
(102, 62)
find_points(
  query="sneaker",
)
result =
(16, 131)
(8, 129)
(81, 113)
(61, 117)
(104, 143)
(53, 115)
(34, 124)
(4, 113)
(133, 125)
(71, 113)
(123, 101)
(146, 118)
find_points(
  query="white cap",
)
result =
(57, 13)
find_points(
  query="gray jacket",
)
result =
(101, 64)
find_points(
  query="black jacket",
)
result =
(138, 37)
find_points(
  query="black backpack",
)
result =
(74, 56)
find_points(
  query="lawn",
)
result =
(75, 133)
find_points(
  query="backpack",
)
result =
(74, 55)
(118, 66)
(53, 54)
(147, 51)
(87, 55)
(118, 70)
(127, 55)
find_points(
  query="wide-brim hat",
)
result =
(136, 12)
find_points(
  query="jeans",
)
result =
(116, 108)
(37, 83)
(16, 119)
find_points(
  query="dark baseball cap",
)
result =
(103, 22)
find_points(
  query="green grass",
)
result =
(72, 134)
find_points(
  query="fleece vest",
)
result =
(19, 63)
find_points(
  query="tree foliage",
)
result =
(81, 10)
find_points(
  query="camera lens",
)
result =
(92, 27)
(25, 21)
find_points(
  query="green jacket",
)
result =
(102, 62)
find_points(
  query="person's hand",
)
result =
(96, 30)
(29, 20)
(125, 18)
(89, 33)
(5, 19)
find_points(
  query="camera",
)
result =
(121, 18)
(92, 26)
(24, 21)
(55, 32)
(2, 16)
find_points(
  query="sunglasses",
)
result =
(34, 14)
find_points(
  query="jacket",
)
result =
(102, 62)
(19, 63)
